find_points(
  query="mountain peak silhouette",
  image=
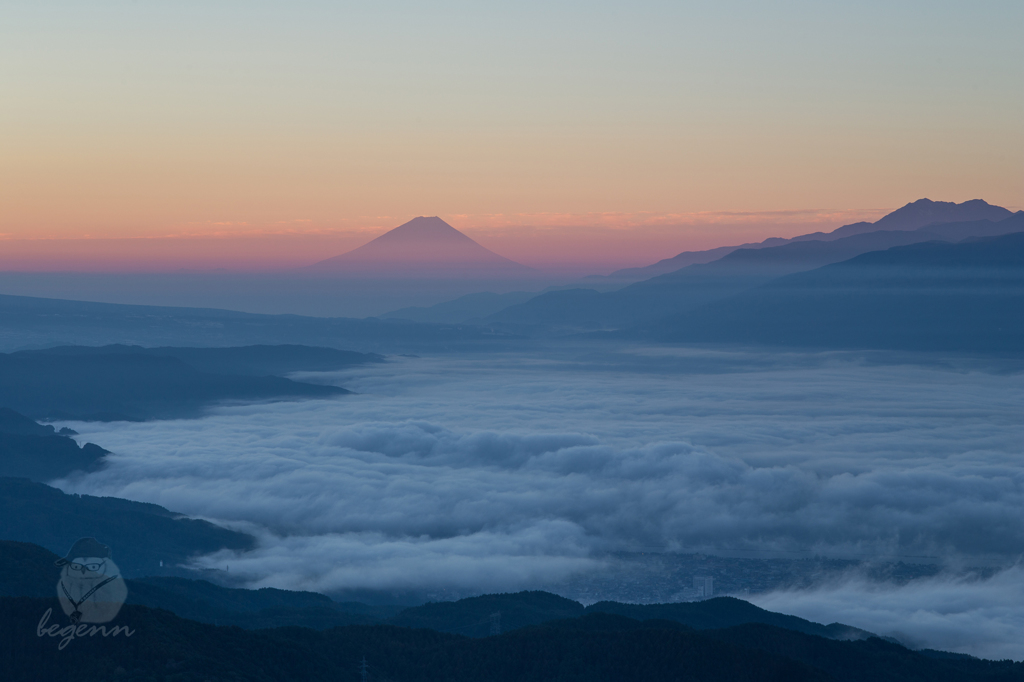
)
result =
(423, 227)
(424, 246)
(924, 212)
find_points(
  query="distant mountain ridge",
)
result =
(114, 383)
(912, 216)
(676, 292)
(734, 269)
(424, 246)
(31, 322)
(256, 360)
(922, 213)
(930, 296)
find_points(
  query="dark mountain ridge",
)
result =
(921, 213)
(142, 535)
(15, 424)
(716, 639)
(41, 453)
(696, 285)
(912, 216)
(29, 322)
(28, 570)
(933, 296)
(594, 648)
(119, 382)
(44, 458)
(723, 612)
(257, 361)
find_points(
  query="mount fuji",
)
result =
(423, 247)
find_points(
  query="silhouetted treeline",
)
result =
(593, 648)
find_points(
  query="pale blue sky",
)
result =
(138, 116)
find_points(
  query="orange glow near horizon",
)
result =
(224, 134)
(550, 242)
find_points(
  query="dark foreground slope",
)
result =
(28, 570)
(164, 646)
(935, 296)
(597, 647)
(555, 639)
(132, 383)
(481, 616)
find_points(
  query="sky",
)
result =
(260, 135)
(501, 472)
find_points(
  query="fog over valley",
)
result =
(488, 472)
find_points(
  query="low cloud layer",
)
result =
(504, 472)
(965, 614)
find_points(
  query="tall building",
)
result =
(704, 585)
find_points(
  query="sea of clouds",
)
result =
(507, 471)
